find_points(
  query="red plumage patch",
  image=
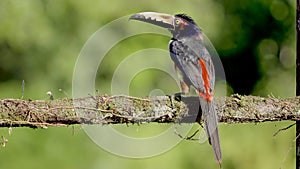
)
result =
(205, 76)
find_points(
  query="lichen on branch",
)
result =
(106, 109)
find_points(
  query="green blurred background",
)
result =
(40, 41)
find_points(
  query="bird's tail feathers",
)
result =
(211, 125)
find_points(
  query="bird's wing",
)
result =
(197, 67)
(188, 61)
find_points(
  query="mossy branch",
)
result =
(125, 109)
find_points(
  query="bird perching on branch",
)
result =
(193, 64)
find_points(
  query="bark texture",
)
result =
(126, 109)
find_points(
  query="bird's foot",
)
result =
(177, 96)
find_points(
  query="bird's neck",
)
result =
(189, 34)
(194, 42)
(195, 38)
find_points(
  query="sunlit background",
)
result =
(40, 41)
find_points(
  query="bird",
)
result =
(194, 66)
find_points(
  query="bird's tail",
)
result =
(211, 125)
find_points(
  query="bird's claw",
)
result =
(177, 96)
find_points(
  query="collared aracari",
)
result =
(194, 65)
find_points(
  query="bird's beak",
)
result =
(159, 19)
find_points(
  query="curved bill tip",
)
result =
(137, 16)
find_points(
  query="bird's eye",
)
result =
(177, 21)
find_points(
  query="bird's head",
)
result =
(180, 25)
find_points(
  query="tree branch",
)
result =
(125, 109)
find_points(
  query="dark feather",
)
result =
(186, 17)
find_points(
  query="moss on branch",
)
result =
(126, 109)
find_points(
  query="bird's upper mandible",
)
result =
(179, 25)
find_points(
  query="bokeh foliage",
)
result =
(41, 39)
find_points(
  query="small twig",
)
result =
(188, 137)
(290, 148)
(278, 131)
(191, 137)
(3, 141)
